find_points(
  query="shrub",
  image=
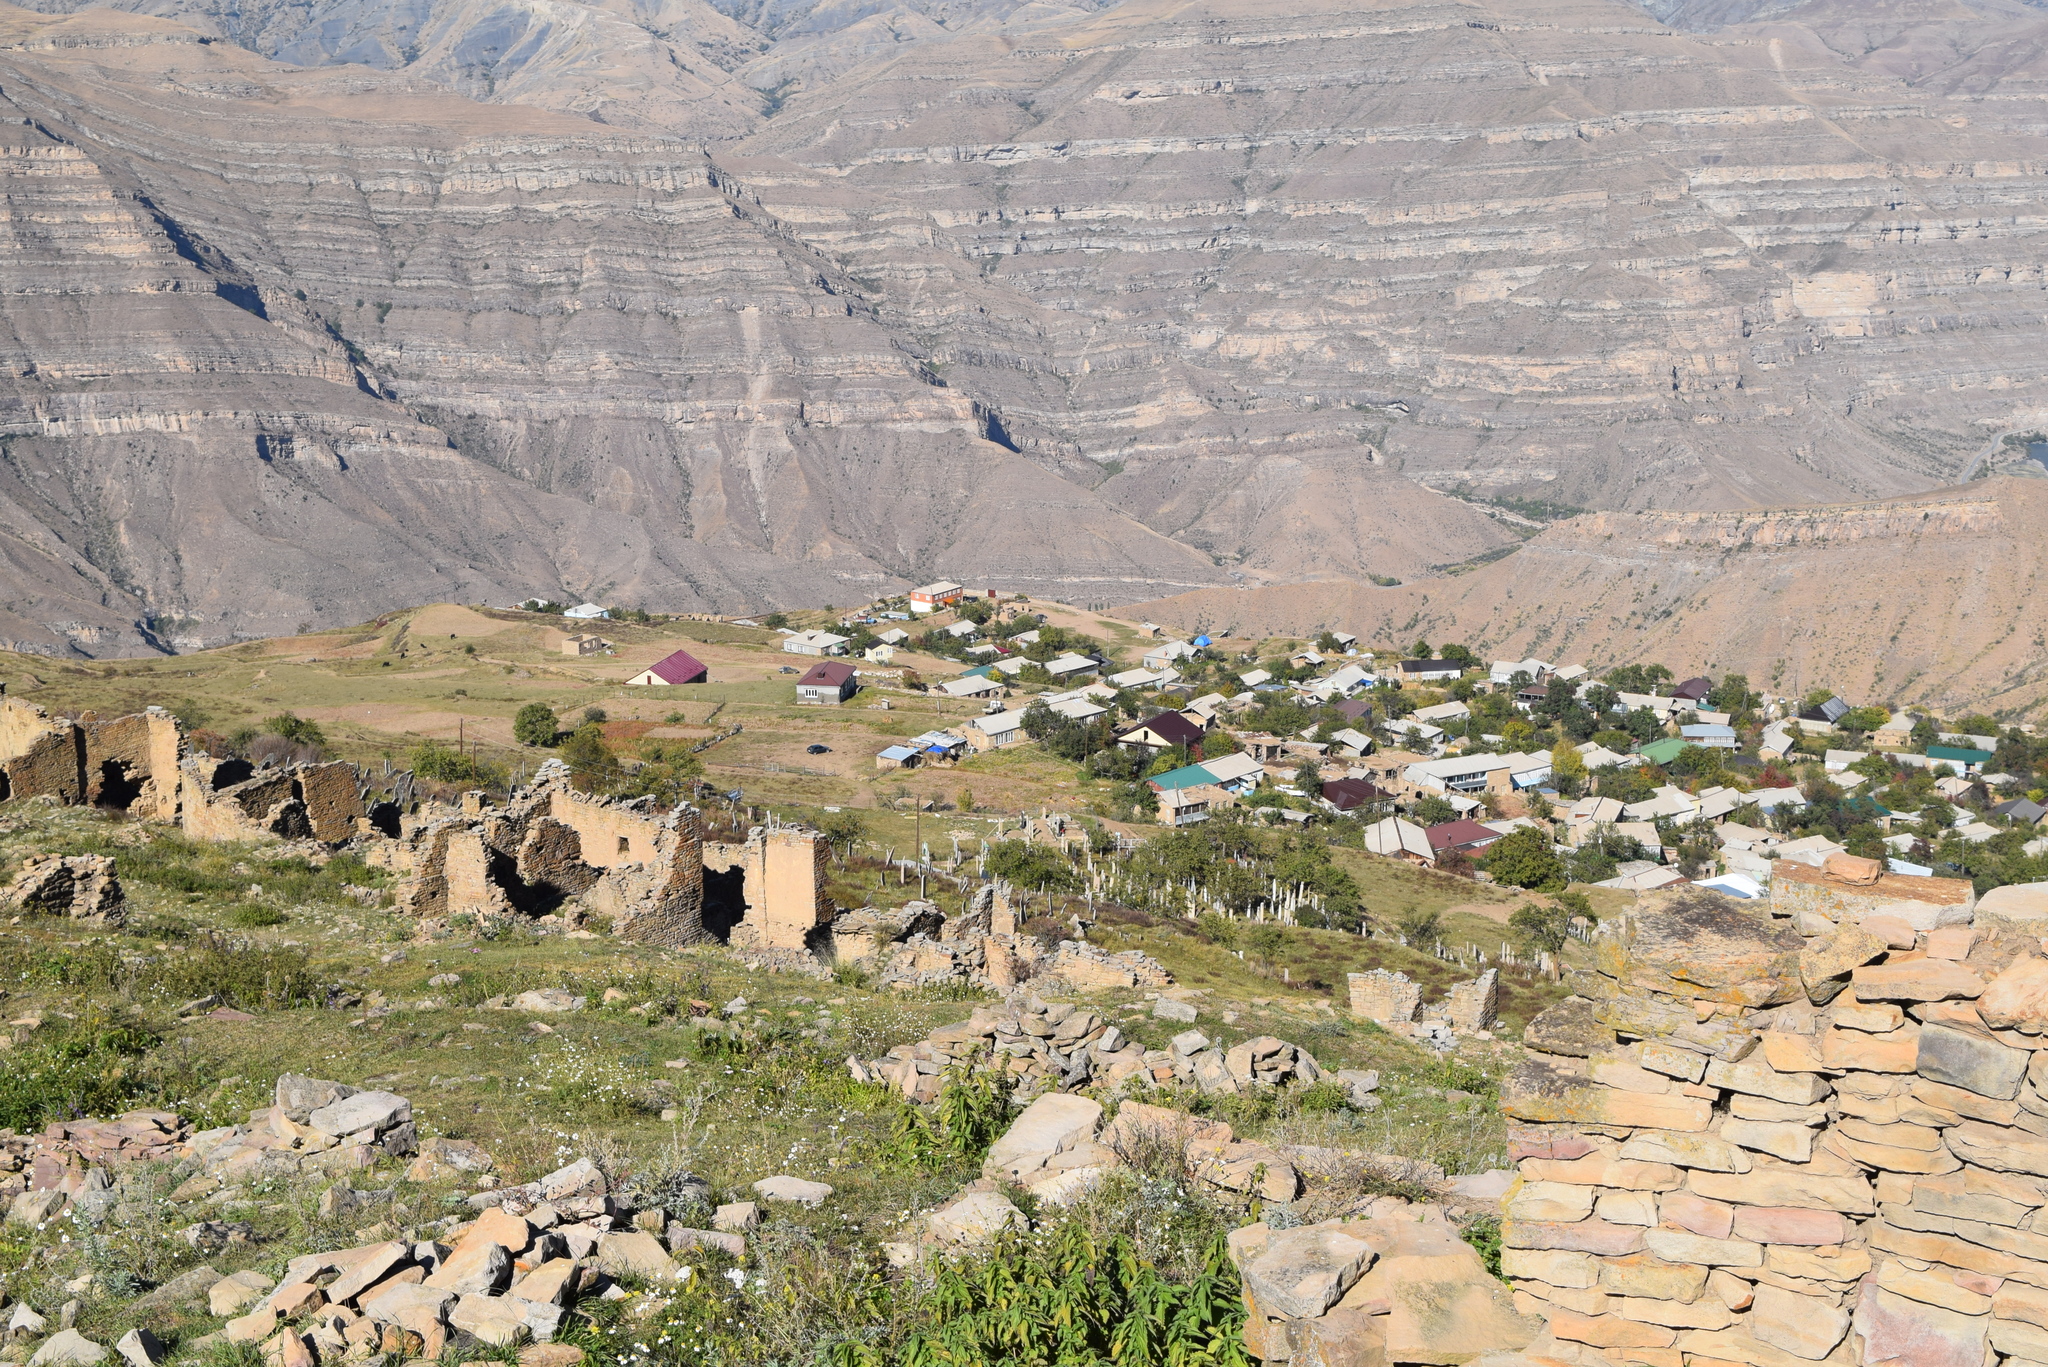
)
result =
(295, 729)
(535, 724)
(445, 764)
(255, 916)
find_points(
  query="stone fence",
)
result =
(1777, 1141)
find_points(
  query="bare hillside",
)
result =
(1932, 599)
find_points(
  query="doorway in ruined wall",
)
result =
(725, 900)
(116, 786)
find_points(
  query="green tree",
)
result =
(775, 621)
(1262, 943)
(1421, 649)
(591, 762)
(535, 724)
(296, 729)
(1433, 810)
(1924, 733)
(1568, 767)
(1523, 858)
(841, 828)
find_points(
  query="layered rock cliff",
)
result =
(1098, 303)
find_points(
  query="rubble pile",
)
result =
(1066, 1047)
(1765, 1141)
(1399, 1286)
(315, 1127)
(1059, 1148)
(917, 945)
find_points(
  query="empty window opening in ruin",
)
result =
(625, 845)
(725, 900)
(118, 789)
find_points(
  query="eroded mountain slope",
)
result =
(298, 346)
(1932, 599)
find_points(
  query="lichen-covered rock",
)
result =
(1700, 945)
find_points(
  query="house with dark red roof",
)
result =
(679, 668)
(1348, 795)
(830, 682)
(1694, 690)
(1465, 835)
(1163, 732)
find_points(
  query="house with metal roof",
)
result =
(680, 668)
(828, 683)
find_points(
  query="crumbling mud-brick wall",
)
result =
(333, 796)
(216, 803)
(1743, 1144)
(624, 860)
(132, 762)
(39, 756)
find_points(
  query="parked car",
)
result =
(817, 749)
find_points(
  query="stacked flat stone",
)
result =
(1742, 1144)
(1055, 1045)
(1064, 1047)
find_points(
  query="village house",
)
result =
(1070, 666)
(814, 643)
(585, 645)
(1502, 672)
(972, 686)
(1162, 732)
(587, 612)
(1430, 671)
(935, 597)
(829, 682)
(1475, 773)
(1463, 836)
(1164, 654)
(1235, 773)
(1356, 797)
(996, 731)
(679, 668)
(1186, 806)
(1397, 838)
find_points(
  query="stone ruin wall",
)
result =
(1773, 1141)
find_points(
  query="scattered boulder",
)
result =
(1051, 1125)
(792, 1189)
(975, 1219)
(1300, 1273)
(68, 1348)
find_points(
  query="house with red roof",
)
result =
(679, 668)
(1465, 835)
(829, 682)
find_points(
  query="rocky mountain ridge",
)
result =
(1100, 304)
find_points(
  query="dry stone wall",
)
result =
(1741, 1143)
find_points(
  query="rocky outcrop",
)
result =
(82, 887)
